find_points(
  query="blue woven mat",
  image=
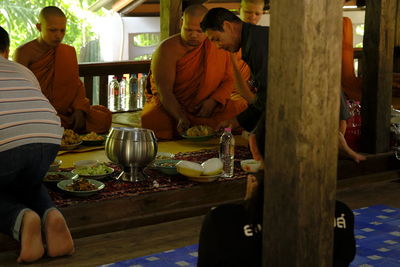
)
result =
(377, 235)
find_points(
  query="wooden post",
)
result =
(170, 15)
(377, 78)
(396, 60)
(302, 132)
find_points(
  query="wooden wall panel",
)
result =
(302, 132)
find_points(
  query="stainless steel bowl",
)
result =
(133, 149)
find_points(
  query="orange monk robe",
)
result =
(352, 85)
(58, 75)
(202, 73)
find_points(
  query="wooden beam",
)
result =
(302, 132)
(170, 15)
(377, 81)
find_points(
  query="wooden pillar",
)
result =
(377, 78)
(396, 61)
(170, 15)
(302, 132)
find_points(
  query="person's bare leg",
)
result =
(58, 236)
(31, 238)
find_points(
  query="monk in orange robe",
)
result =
(191, 82)
(55, 66)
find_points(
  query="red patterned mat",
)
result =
(156, 181)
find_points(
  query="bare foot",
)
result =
(31, 238)
(58, 236)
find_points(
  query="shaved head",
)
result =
(52, 25)
(46, 12)
(195, 11)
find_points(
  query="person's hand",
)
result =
(78, 120)
(183, 125)
(343, 146)
(254, 148)
(206, 108)
(232, 123)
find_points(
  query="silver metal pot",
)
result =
(133, 149)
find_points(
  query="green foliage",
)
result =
(19, 18)
(146, 39)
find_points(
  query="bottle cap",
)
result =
(123, 77)
(228, 130)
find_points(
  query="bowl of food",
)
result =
(70, 140)
(199, 133)
(250, 165)
(166, 166)
(98, 171)
(81, 187)
(93, 139)
(55, 177)
(55, 165)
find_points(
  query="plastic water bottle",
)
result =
(141, 96)
(133, 92)
(227, 152)
(114, 100)
(123, 87)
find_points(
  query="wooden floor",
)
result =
(137, 242)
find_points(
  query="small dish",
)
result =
(55, 165)
(55, 177)
(70, 147)
(94, 142)
(166, 166)
(63, 185)
(250, 165)
(164, 155)
(91, 172)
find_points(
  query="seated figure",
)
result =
(191, 82)
(55, 66)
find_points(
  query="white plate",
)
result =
(96, 176)
(63, 184)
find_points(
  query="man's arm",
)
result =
(240, 83)
(163, 67)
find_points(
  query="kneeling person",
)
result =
(191, 82)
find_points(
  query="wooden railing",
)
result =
(91, 70)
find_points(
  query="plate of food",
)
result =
(93, 139)
(199, 133)
(97, 171)
(70, 140)
(206, 172)
(166, 166)
(55, 177)
(81, 187)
